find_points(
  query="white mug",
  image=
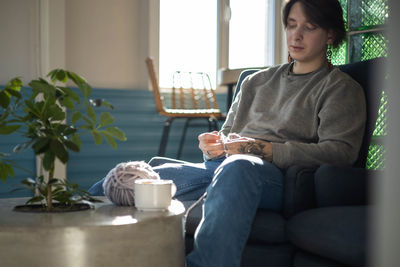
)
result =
(152, 195)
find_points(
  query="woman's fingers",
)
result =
(210, 144)
(212, 149)
(209, 137)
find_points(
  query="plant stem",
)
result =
(49, 199)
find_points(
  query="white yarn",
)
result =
(119, 182)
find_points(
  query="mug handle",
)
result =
(173, 189)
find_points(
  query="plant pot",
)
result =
(57, 207)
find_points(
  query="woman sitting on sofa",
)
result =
(303, 112)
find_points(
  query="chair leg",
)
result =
(213, 124)
(164, 137)
(210, 124)
(181, 143)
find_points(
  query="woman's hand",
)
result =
(236, 144)
(211, 144)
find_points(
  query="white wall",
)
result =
(56, 34)
(18, 39)
(105, 41)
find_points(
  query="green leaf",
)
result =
(13, 92)
(52, 75)
(106, 119)
(59, 150)
(71, 145)
(60, 128)
(15, 84)
(48, 160)
(30, 107)
(62, 76)
(56, 113)
(4, 115)
(81, 83)
(57, 190)
(90, 112)
(41, 145)
(28, 182)
(35, 199)
(76, 116)
(87, 127)
(8, 129)
(75, 77)
(40, 179)
(4, 99)
(105, 103)
(5, 171)
(64, 197)
(43, 190)
(97, 137)
(115, 132)
(67, 102)
(53, 181)
(42, 86)
(68, 130)
(89, 122)
(110, 140)
(71, 94)
(77, 140)
(10, 170)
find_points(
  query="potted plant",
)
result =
(39, 114)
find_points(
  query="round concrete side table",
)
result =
(108, 235)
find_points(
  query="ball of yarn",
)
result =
(119, 182)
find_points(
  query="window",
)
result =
(251, 29)
(188, 38)
(191, 32)
(365, 22)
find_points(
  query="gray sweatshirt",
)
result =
(310, 119)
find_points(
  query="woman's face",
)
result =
(306, 41)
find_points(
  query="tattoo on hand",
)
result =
(252, 148)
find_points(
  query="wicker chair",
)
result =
(202, 104)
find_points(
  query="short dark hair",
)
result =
(327, 14)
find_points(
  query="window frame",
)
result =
(279, 47)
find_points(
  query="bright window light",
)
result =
(188, 38)
(251, 33)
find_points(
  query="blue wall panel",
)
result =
(134, 113)
(24, 159)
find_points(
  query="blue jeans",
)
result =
(236, 187)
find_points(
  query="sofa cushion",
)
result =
(262, 255)
(343, 186)
(268, 227)
(338, 233)
(302, 259)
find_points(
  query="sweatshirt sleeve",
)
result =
(342, 116)
(227, 126)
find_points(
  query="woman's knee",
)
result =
(241, 161)
(251, 167)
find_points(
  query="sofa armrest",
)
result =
(342, 186)
(299, 193)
